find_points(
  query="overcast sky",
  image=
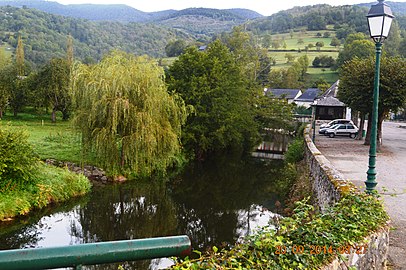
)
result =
(264, 7)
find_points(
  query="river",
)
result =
(215, 203)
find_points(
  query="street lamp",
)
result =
(379, 22)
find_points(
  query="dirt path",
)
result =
(350, 157)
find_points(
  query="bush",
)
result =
(52, 185)
(295, 151)
(290, 246)
(18, 161)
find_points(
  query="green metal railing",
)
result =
(95, 253)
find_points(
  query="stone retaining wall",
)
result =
(328, 186)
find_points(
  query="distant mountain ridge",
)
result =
(120, 12)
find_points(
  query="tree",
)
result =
(335, 42)
(69, 51)
(175, 47)
(213, 82)
(53, 84)
(289, 57)
(20, 57)
(356, 87)
(326, 34)
(319, 44)
(4, 88)
(126, 115)
(266, 41)
(356, 45)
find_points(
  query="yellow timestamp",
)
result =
(321, 249)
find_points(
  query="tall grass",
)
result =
(52, 185)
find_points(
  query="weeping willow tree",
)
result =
(126, 116)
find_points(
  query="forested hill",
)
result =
(122, 13)
(206, 21)
(399, 8)
(45, 35)
(317, 17)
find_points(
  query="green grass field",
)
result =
(58, 141)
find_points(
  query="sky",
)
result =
(264, 7)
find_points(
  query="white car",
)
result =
(335, 122)
(342, 130)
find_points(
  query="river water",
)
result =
(215, 203)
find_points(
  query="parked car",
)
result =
(342, 130)
(335, 122)
(322, 130)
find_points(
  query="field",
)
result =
(58, 141)
(296, 50)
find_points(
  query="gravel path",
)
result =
(350, 157)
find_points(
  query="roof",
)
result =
(284, 93)
(332, 91)
(309, 95)
(329, 101)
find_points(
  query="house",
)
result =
(287, 94)
(329, 107)
(202, 48)
(307, 98)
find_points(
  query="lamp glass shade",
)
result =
(375, 26)
(386, 26)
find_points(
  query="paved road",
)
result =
(350, 157)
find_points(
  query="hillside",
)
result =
(203, 21)
(398, 8)
(315, 17)
(44, 35)
(121, 13)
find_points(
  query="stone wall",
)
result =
(328, 186)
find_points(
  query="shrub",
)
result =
(18, 161)
(295, 151)
(336, 231)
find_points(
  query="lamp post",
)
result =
(379, 22)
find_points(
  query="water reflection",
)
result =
(215, 203)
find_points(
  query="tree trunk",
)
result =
(1, 113)
(15, 112)
(53, 116)
(361, 126)
(368, 136)
(379, 139)
(122, 162)
(355, 118)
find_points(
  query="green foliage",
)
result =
(18, 161)
(356, 45)
(347, 223)
(45, 36)
(213, 82)
(324, 61)
(50, 87)
(51, 185)
(315, 17)
(295, 151)
(126, 116)
(20, 57)
(175, 48)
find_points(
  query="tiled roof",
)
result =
(329, 101)
(309, 95)
(286, 93)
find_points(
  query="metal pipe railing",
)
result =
(95, 253)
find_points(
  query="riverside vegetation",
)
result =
(26, 182)
(289, 242)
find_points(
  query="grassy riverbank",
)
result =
(26, 183)
(51, 185)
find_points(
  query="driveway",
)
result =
(350, 157)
